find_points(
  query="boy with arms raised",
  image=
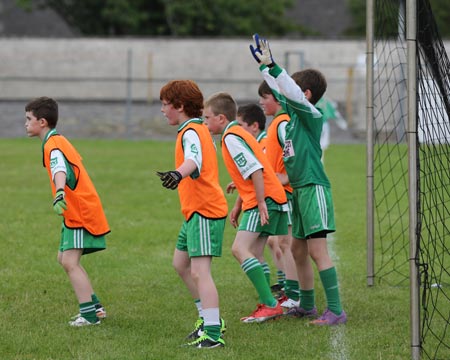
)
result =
(263, 198)
(203, 205)
(76, 200)
(313, 215)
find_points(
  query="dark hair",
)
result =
(312, 80)
(222, 103)
(44, 108)
(184, 93)
(251, 113)
(264, 89)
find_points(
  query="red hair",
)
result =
(184, 93)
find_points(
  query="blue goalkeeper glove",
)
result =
(262, 53)
(170, 179)
(59, 202)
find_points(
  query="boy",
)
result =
(252, 119)
(76, 200)
(313, 215)
(263, 198)
(203, 205)
(280, 245)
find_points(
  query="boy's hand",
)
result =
(230, 188)
(263, 213)
(59, 202)
(170, 179)
(262, 53)
(234, 216)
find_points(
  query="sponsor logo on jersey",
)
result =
(53, 162)
(194, 149)
(240, 160)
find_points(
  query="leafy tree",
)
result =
(108, 17)
(172, 17)
(441, 12)
(228, 17)
(440, 8)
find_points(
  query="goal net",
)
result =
(390, 166)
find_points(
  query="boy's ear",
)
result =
(43, 122)
(223, 118)
(308, 94)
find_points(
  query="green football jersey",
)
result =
(302, 153)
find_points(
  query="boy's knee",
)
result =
(195, 275)
(235, 250)
(285, 243)
(68, 266)
(178, 268)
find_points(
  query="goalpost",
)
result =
(408, 165)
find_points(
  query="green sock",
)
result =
(95, 300)
(266, 269)
(281, 277)
(307, 299)
(292, 290)
(330, 284)
(212, 323)
(254, 271)
(87, 310)
(213, 331)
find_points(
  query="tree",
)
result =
(228, 17)
(440, 8)
(172, 17)
(107, 17)
(441, 11)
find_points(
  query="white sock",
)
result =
(211, 316)
(198, 303)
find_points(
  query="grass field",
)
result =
(150, 311)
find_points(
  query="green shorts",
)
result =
(278, 222)
(312, 211)
(200, 236)
(80, 238)
(289, 203)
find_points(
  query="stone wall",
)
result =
(127, 73)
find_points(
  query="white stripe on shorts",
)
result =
(253, 220)
(78, 240)
(205, 236)
(322, 204)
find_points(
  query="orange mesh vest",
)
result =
(203, 194)
(84, 209)
(274, 151)
(272, 186)
(263, 144)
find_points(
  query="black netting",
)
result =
(433, 155)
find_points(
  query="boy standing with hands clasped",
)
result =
(313, 215)
(76, 200)
(263, 198)
(280, 245)
(203, 205)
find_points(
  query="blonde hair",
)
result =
(222, 103)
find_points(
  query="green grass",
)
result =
(149, 309)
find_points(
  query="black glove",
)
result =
(59, 202)
(170, 179)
